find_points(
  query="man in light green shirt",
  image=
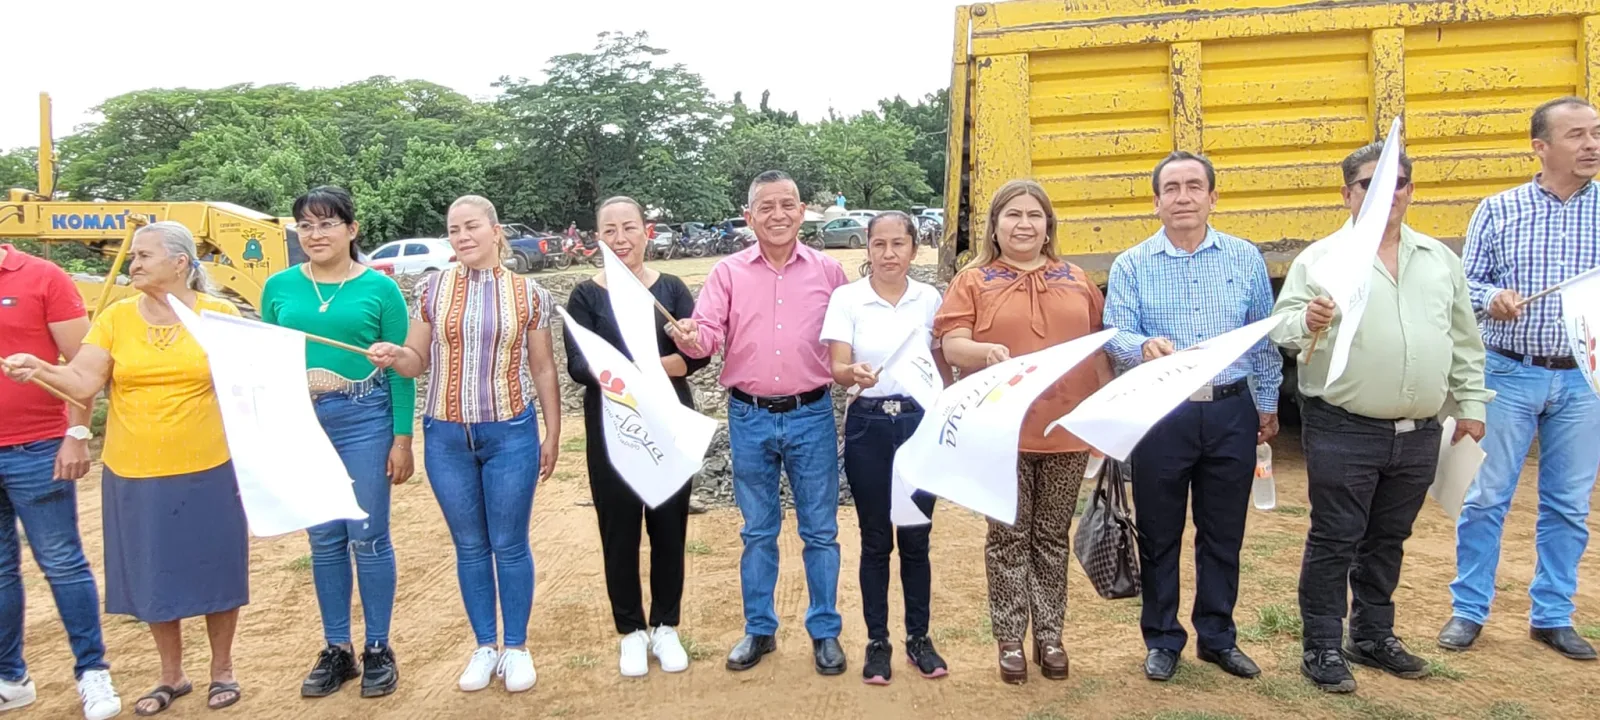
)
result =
(1372, 438)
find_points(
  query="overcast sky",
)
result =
(811, 55)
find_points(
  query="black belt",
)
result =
(1220, 392)
(780, 403)
(1398, 425)
(1565, 362)
(897, 405)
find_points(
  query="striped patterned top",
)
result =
(479, 354)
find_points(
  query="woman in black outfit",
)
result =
(621, 226)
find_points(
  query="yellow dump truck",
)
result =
(1086, 96)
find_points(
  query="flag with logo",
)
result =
(965, 450)
(911, 366)
(290, 477)
(1580, 313)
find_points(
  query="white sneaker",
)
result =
(635, 661)
(664, 644)
(14, 695)
(516, 667)
(480, 669)
(99, 696)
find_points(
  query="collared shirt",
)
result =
(1526, 239)
(767, 321)
(1158, 290)
(859, 317)
(1417, 343)
(479, 354)
(1028, 311)
(33, 294)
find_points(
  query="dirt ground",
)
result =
(574, 645)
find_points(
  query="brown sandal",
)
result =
(1013, 666)
(219, 688)
(163, 695)
(1052, 659)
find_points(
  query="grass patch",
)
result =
(1507, 710)
(300, 564)
(574, 444)
(1192, 715)
(1284, 689)
(695, 649)
(1195, 676)
(982, 634)
(1364, 709)
(697, 547)
(1083, 504)
(1272, 620)
(1045, 715)
(558, 712)
(1505, 585)
(1444, 671)
(582, 662)
(1293, 510)
(1085, 690)
(1266, 545)
(1591, 632)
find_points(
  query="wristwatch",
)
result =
(79, 432)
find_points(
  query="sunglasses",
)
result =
(1400, 183)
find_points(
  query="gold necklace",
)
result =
(318, 289)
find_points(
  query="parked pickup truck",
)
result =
(531, 251)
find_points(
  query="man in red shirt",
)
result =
(43, 448)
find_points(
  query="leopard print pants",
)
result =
(1027, 562)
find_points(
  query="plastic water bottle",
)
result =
(1264, 493)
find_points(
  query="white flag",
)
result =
(1117, 416)
(911, 367)
(290, 477)
(653, 441)
(634, 309)
(965, 450)
(1580, 312)
(1346, 271)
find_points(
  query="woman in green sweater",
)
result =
(366, 412)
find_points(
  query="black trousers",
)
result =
(870, 440)
(1367, 482)
(1210, 448)
(620, 511)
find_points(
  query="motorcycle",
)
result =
(579, 249)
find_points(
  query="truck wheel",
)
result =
(520, 263)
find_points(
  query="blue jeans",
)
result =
(802, 442)
(362, 430)
(1561, 407)
(48, 509)
(483, 475)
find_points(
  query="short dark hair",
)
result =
(328, 201)
(897, 216)
(1539, 124)
(1366, 154)
(1180, 155)
(767, 178)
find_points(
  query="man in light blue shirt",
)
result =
(1521, 241)
(1187, 284)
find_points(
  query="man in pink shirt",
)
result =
(762, 308)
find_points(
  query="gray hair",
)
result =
(179, 241)
(767, 178)
(1368, 153)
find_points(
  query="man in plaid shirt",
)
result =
(1519, 242)
(1186, 284)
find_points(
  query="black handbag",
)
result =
(1107, 542)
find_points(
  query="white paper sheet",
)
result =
(290, 477)
(1580, 310)
(911, 366)
(1458, 465)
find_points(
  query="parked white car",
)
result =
(412, 257)
(865, 216)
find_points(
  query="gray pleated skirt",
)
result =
(175, 546)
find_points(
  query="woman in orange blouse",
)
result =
(1014, 298)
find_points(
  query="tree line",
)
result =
(615, 121)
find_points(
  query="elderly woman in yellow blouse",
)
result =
(175, 536)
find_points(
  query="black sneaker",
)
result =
(1327, 670)
(877, 671)
(1388, 655)
(379, 674)
(920, 652)
(334, 666)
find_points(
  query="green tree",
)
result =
(18, 169)
(930, 119)
(413, 199)
(865, 158)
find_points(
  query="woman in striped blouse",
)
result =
(485, 332)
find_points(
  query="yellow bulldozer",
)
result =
(239, 247)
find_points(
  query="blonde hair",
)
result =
(482, 203)
(989, 250)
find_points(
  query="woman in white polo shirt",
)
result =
(866, 322)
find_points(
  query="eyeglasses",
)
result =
(1400, 183)
(324, 227)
